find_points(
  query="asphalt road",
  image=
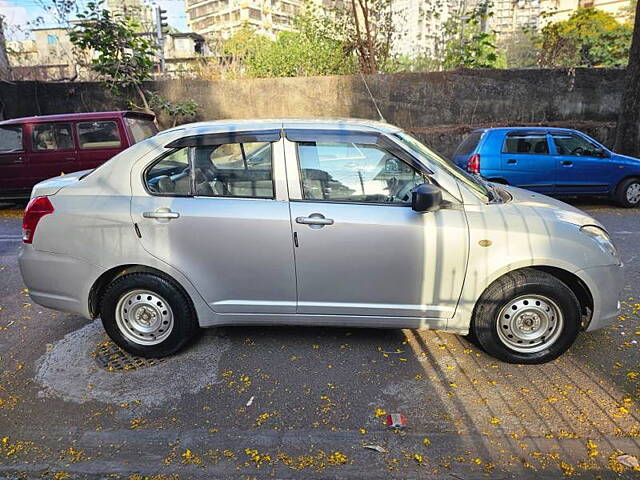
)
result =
(303, 402)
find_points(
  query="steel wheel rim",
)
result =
(530, 323)
(633, 193)
(144, 317)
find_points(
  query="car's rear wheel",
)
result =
(527, 317)
(628, 193)
(148, 315)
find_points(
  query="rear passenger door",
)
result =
(98, 141)
(216, 209)
(526, 161)
(53, 151)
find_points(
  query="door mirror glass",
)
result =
(426, 198)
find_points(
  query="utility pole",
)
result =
(628, 128)
(160, 20)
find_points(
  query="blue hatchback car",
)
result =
(553, 161)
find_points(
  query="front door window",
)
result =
(575, 145)
(353, 172)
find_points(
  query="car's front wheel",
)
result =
(147, 315)
(527, 316)
(628, 193)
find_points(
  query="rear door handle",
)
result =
(161, 213)
(315, 219)
(512, 161)
(567, 163)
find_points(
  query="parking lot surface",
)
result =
(279, 402)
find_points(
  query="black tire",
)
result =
(183, 318)
(521, 286)
(622, 199)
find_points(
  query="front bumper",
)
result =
(59, 282)
(605, 284)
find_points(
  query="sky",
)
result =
(18, 12)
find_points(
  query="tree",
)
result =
(312, 49)
(628, 128)
(122, 56)
(5, 70)
(467, 43)
(589, 38)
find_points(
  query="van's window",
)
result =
(353, 172)
(234, 170)
(52, 136)
(469, 144)
(141, 128)
(11, 139)
(526, 143)
(98, 134)
(171, 175)
(571, 144)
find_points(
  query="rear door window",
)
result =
(469, 144)
(11, 139)
(526, 143)
(52, 136)
(99, 134)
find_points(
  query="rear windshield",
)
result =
(469, 144)
(141, 128)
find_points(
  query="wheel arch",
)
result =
(629, 176)
(571, 280)
(106, 278)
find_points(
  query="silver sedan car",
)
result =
(313, 222)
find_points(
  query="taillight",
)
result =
(36, 209)
(473, 164)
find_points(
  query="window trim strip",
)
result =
(209, 139)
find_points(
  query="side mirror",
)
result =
(426, 198)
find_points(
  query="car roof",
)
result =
(278, 123)
(76, 116)
(525, 129)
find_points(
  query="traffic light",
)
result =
(162, 26)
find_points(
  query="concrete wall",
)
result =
(440, 107)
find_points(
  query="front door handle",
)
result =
(567, 163)
(161, 213)
(512, 161)
(315, 219)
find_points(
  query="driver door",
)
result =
(579, 166)
(360, 250)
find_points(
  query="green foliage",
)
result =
(468, 44)
(589, 38)
(124, 58)
(177, 111)
(309, 51)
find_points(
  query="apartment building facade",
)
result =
(222, 18)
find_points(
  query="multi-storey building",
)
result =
(222, 18)
(141, 10)
(420, 24)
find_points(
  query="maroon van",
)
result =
(33, 149)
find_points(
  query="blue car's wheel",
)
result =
(628, 193)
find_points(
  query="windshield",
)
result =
(475, 183)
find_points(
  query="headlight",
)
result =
(601, 238)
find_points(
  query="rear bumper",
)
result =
(59, 282)
(605, 284)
